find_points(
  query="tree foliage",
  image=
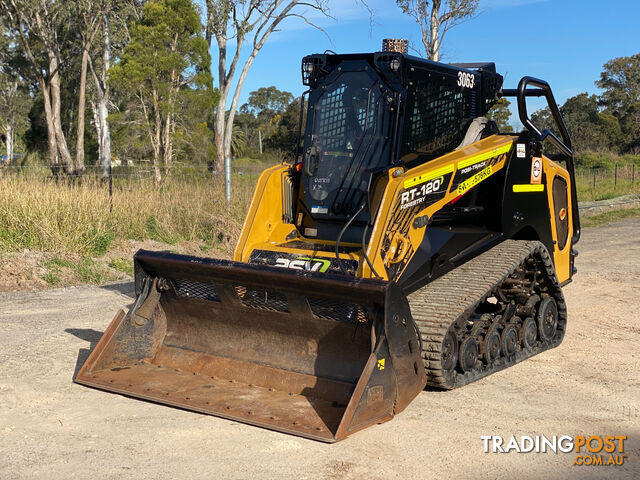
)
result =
(149, 79)
(609, 122)
(165, 70)
(590, 129)
(620, 80)
(15, 100)
(501, 114)
(267, 102)
(41, 27)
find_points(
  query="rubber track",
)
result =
(454, 297)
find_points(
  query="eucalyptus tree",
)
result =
(15, 103)
(37, 25)
(15, 98)
(165, 64)
(436, 18)
(234, 24)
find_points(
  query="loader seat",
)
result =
(480, 127)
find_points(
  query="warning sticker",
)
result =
(536, 170)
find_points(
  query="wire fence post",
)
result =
(633, 173)
(615, 176)
(110, 188)
(594, 178)
(227, 180)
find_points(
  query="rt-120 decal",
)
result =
(426, 192)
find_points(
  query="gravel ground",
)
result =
(590, 385)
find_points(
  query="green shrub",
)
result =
(122, 265)
(101, 242)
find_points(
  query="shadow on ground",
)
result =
(125, 288)
(88, 335)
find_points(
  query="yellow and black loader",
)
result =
(409, 243)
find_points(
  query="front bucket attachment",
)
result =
(306, 353)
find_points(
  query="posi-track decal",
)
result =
(474, 170)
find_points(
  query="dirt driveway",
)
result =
(53, 428)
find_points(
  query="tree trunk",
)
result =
(101, 111)
(79, 163)
(433, 52)
(223, 86)
(96, 120)
(167, 144)
(54, 161)
(9, 143)
(234, 103)
(61, 142)
(157, 138)
(167, 140)
(104, 140)
(218, 163)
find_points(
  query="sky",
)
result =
(565, 42)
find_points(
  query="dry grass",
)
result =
(39, 213)
(52, 216)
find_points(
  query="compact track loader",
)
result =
(408, 244)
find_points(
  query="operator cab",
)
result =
(367, 113)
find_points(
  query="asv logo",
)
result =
(304, 263)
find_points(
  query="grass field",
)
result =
(76, 218)
(607, 186)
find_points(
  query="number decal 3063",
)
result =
(466, 80)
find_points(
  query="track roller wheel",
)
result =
(529, 333)
(468, 354)
(547, 319)
(509, 340)
(491, 345)
(449, 351)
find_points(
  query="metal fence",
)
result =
(619, 175)
(138, 172)
(586, 177)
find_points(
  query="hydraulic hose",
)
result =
(364, 251)
(346, 225)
